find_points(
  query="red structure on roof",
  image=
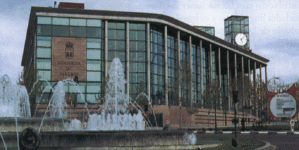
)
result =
(71, 5)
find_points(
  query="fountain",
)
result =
(116, 113)
(116, 125)
(14, 99)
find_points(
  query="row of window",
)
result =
(137, 47)
(69, 21)
(48, 30)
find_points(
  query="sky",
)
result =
(273, 26)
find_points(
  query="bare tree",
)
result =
(141, 99)
(104, 86)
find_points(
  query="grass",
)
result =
(243, 143)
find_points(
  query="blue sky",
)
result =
(273, 26)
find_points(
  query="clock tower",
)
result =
(237, 30)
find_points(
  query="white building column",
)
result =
(106, 48)
(148, 51)
(201, 75)
(127, 58)
(166, 64)
(219, 78)
(254, 85)
(228, 80)
(179, 68)
(190, 68)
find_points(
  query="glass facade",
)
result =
(172, 61)
(185, 72)
(117, 42)
(196, 82)
(93, 31)
(137, 57)
(157, 65)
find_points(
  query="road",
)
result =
(282, 141)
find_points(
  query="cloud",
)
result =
(12, 38)
(282, 65)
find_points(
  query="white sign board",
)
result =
(283, 105)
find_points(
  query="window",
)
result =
(94, 43)
(44, 41)
(46, 75)
(77, 22)
(61, 21)
(60, 31)
(94, 54)
(93, 32)
(43, 63)
(43, 52)
(44, 30)
(78, 31)
(93, 76)
(94, 23)
(93, 65)
(44, 20)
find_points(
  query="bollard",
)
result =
(234, 142)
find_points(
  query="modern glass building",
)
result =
(172, 62)
(207, 29)
(234, 25)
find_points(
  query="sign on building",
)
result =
(283, 105)
(68, 58)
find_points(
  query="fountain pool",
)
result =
(114, 126)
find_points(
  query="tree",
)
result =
(104, 87)
(212, 95)
(20, 80)
(185, 84)
(33, 85)
(141, 99)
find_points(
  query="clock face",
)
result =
(241, 39)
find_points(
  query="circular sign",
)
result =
(283, 105)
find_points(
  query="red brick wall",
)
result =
(63, 67)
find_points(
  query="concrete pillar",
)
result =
(249, 85)
(254, 85)
(266, 91)
(166, 65)
(201, 76)
(261, 89)
(243, 102)
(190, 68)
(228, 80)
(236, 77)
(179, 68)
(148, 51)
(219, 78)
(127, 58)
(210, 62)
(106, 48)
(236, 72)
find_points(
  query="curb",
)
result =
(246, 132)
(266, 146)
